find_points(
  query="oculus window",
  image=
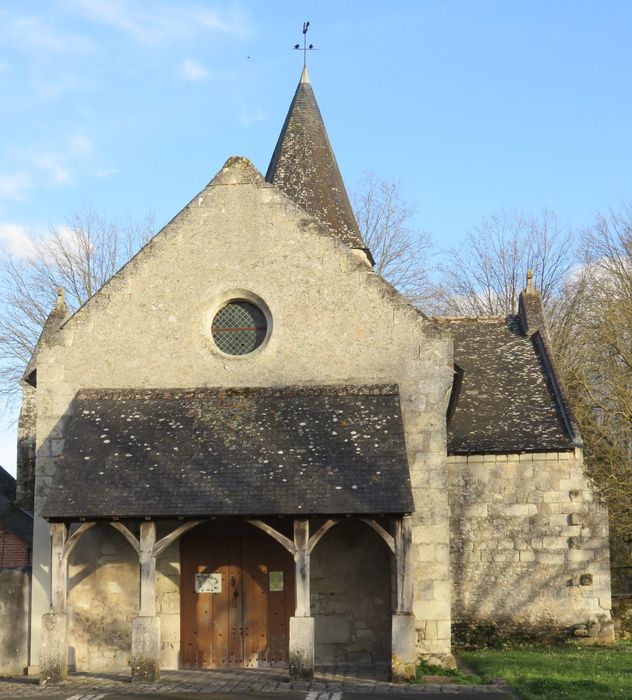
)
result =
(239, 327)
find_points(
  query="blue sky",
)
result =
(131, 107)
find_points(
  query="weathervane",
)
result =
(306, 48)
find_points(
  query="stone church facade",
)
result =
(247, 449)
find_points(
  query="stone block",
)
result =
(444, 629)
(527, 555)
(551, 558)
(442, 590)
(54, 648)
(442, 553)
(556, 496)
(554, 542)
(577, 555)
(403, 648)
(333, 629)
(425, 552)
(146, 645)
(432, 610)
(169, 602)
(519, 510)
(169, 629)
(301, 648)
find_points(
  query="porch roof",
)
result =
(257, 451)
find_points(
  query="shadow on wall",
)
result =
(103, 584)
(351, 596)
(14, 620)
(513, 580)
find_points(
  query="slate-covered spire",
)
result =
(304, 166)
(54, 321)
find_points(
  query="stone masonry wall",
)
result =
(529, 549)
(351, 597)
(103, 597)
(333, 322)
(14, 620)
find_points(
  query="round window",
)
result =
(239, 327)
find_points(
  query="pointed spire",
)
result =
(304, 167)
(52, 324)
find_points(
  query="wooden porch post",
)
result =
(302, 562)
(302, 624)
(403, 555)
(146, 627)
(58, 567)
(54, 649)
(147, 569)
(404, 634)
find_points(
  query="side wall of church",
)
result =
(333, 322)
(529, 549)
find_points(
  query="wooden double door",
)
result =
(237, 596)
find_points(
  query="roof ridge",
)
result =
(485, 318)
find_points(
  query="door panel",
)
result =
(245, 623)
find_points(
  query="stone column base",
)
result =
(301, 648)
(145, 649)
(403, 648)
(54, 649)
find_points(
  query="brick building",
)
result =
(16, 527)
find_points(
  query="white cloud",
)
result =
(15, 239)
(80, 146)
(159, 22)
(247, 117)
(14, 185)
(53, 164)
(32, 33)
(190, 70)
(106, 172)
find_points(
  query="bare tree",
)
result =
(485, 274)
(401, 252)
(595, 344)
(78, 257)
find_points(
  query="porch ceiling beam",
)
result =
(386, 536)
(71, 542)
(322, 530)
(163, 543)
(281, 539)
(127, 534)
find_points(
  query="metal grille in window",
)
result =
(239, 328)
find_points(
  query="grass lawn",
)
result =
(569, 671)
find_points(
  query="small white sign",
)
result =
(208, 583)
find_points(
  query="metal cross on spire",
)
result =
(305, 48)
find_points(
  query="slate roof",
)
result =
(298, 450)
(12, 517)
(506, 401)
(304, 167)
(7, 484)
